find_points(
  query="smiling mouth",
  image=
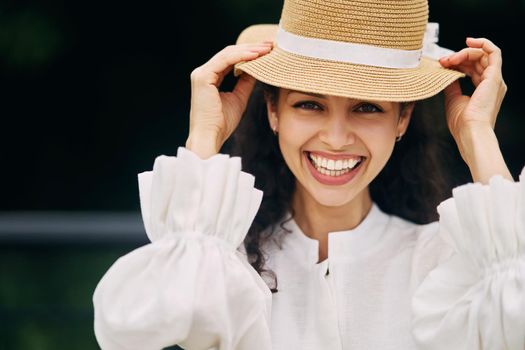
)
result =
(331, 167)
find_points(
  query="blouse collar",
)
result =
(348, 244)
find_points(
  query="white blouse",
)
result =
(387, 284)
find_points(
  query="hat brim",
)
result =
(301, 73)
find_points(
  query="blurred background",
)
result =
(91, 92)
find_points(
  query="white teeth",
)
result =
(332, 172)
(334, 165)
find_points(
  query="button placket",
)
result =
(328, 283)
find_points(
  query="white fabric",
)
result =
(369, 55)
(480, 292)
(430, 47)
(392, 284)
(190, 285)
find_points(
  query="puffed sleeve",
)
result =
(475, 299)
(190, 286)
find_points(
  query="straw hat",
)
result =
(378, 50)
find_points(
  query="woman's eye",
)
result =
(309, 105)
(368, 108)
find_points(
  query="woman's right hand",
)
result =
(214, 115)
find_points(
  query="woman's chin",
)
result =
(334, 198)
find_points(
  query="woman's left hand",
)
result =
(471, 119)
(481, 61)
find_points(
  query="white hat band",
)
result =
(361, 53)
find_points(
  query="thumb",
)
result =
(452, 92)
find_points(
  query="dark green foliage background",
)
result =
(45, 294)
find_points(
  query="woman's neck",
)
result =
(317, 220)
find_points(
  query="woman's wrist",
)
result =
(203, 143)
(479, 148)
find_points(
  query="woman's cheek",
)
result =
(379, 139)
(300, 130)
(381, 142)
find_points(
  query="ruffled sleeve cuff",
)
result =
(476, 298)
(188, 194)
(189, 286)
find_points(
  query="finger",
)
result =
(468, 70)
(269, 42)
(231, 55)
(476, 79)
(466, 67)
(492, 73)
(213, 71)
(471, 72)
(474, 76)
(257, 49)
(479, 68)
(494, 52)
(484, 44)
(484, 61)
(466, 54)
(223, 75)
(476, 71)
(451, 91)
(453, 94)
(254, 52)
(467, 61)
(244, 88)
(478, 65)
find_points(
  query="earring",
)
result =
(274, 128)
(398, 138)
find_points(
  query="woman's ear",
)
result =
(271, 110)
(404, 118)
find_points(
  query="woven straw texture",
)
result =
(300, 73)
(398, 24)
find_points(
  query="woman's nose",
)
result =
(337, 133)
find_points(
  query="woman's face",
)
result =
(335, 146)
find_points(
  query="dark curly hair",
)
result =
(410, 185)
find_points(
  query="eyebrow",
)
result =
(324, 96)
(306, 93)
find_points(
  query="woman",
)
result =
(347, 274)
